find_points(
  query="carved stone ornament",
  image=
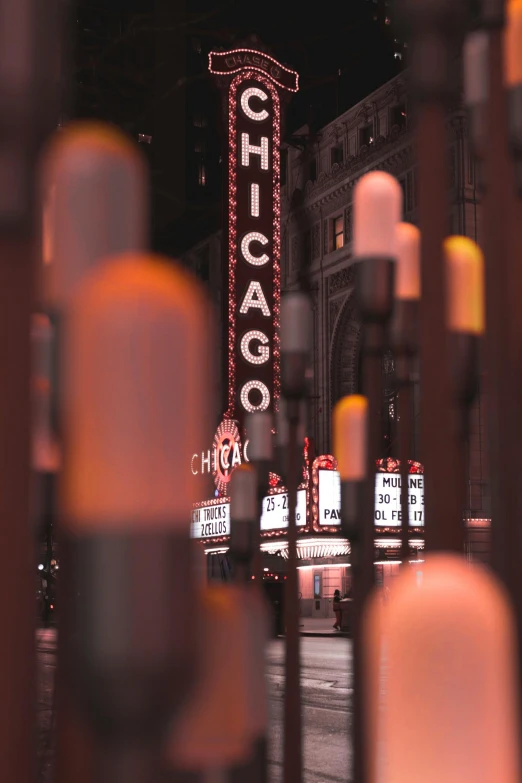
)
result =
(344, 278)
(345, 345)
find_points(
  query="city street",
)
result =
(326, 693)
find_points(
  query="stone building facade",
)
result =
(317, 211)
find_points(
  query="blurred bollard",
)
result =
(94, 201)
(465, 321)
(135, 364)
(93, 193)
(45, 447)
(377, 212)
(296, 340)
(244, 520)
(404, 334)
(447, 638)
(216, 728)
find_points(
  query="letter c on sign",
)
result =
(194, 472)
(250, 92)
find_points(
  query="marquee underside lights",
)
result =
(253, 93)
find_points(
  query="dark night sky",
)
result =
(340, 52)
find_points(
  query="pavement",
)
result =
(326, 691)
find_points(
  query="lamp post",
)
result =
(133, 398)
(404, 340)
(296, 325)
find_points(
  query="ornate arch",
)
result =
(344, 351)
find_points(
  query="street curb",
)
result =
(318, 635)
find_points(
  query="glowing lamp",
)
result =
(450, 681)
(350, 418)
(377, 210)
(129, 412)
(476, 77)
(93, 185)
(513, 43)
(465, 286)
(407, 271)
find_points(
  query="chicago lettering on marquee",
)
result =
(254, 91)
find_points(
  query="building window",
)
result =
(200, 146)
(336, 154)
(338, 232)
(398, 116)
(199, 121)
(196, 45)
(312, 169)
(365, 136)
(202, 174)
(144, 138)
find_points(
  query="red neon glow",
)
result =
(390, 465)
(324, 462)
(252, 73)
(294, 76)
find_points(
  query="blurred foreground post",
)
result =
(465, 324)
(350, 435)
(404, 340)
(29, 65)
(93, 200)
(377, 212)
(296, 328)
(442, 681)
(244, 544)
(134, 375)
(434, 28)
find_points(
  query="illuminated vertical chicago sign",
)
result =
(255, 86)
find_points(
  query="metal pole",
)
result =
(513, 74)
(434, 30)
(378, 205)
(405, 445)
(27, 104)
(292, 706)
(442, 498)
(17, 580)
(296, 331)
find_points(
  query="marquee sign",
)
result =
(255, 88)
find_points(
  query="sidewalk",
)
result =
(319, 626)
